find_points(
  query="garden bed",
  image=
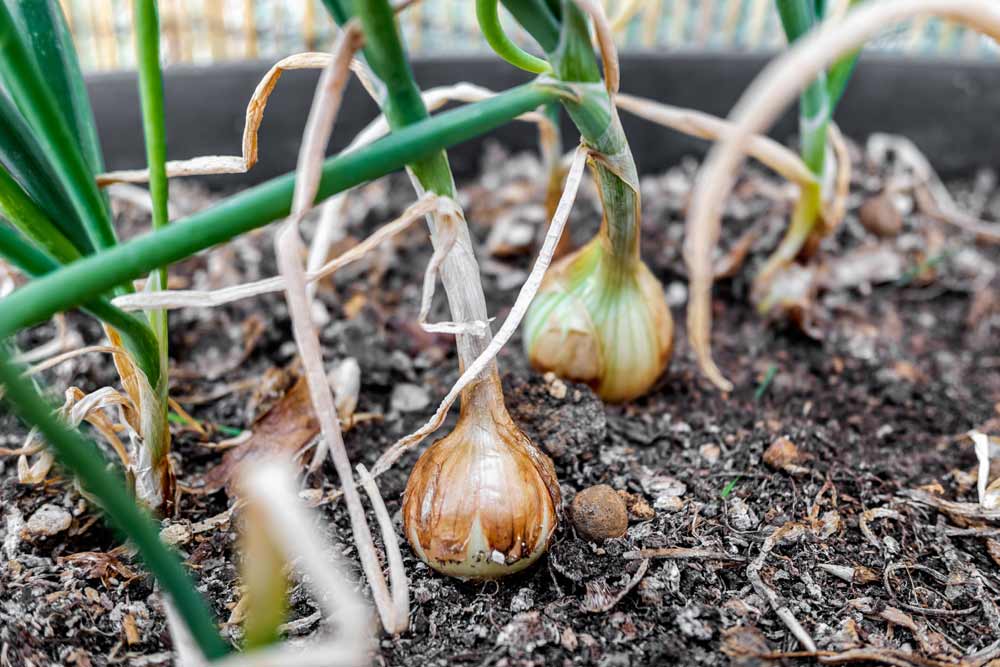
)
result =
(869, 421)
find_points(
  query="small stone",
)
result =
(831, 523)
(669, 503)
(409, 397)
(741, 516)
(522, 601)
(568, 639)
(689, 623)
(880, 216)
(176, 534)
(664, 489)
(710, 453)
(48, 520)
(599, 513)
(557, 388)
(781, 454)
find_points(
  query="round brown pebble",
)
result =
(599, 513)
(880, 216)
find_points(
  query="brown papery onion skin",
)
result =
(482, 502)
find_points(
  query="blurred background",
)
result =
(207, 31)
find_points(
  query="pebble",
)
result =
(880, 216)
(408, 397)
(599, 513)
(48, 520)
(710, 453)
(741, 516)
(176, 534)
(557, 388)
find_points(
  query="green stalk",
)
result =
(90, 277)
(538, 19)
(38, 105)
(404, 107)
(22, 212)
(155, 429)
(147, 44)
(591, 109)
(340, 10)
(136, 335)
(797, 18)
(83, 458)
(838, 76)
(489, 22)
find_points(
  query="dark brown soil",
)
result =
(876, 410)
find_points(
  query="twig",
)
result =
(787, 532)
(871, 515)
(682, 553)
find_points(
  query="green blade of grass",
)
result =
(83, 458)
(765, 383)
(24, 81)
(92, 276)
(137, 337)
(340, 10)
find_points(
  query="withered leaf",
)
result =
(284, 430)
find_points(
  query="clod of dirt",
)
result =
(637, 506)
(880, 216)
(599, 513)
(48, 520)
(569, 428)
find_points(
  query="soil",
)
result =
(822, 479)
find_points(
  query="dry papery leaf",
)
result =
(285, 430)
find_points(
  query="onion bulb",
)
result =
(481, 502)
(602, 322)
